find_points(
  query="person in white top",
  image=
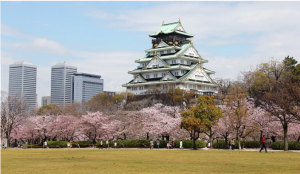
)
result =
(115, 144)
(107, 145)
(101, 144)
(180, 144)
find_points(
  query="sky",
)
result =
(105, 38)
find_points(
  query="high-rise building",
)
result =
(85, 86)
(61, 87)
(22, 82)
(46, 100)
(172, 61)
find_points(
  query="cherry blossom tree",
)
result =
(160, 119)
(97, 125)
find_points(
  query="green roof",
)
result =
(163, 48)
(182, 67)
(172, 81)
(170, 28)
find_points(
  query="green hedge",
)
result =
(82, 144)
(279, 145)
(189, 144)
(248, 144)
(57, 144)
(121, 144)
(146, 144)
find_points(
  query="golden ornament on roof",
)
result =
(176, 43)
(155, 53)
(179, 20)
(170, 43)
(163, 22)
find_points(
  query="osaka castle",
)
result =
(172, 61)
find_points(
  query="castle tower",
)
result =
(172, 61)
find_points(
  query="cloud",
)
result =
(270, 29)
(42, 45)
(13, 32)
(112, 66)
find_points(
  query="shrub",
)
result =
(56, 144)
(279, 145)
(82, 144)
(222, 144)
(252, 144)
(189, 144)
(248, 144)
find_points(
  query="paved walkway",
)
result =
(251, 149)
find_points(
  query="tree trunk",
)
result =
(210, 138)
(298, 139)
(260, 138)
(147, 136)
(194, 144)
(285, 129)
(239, 139)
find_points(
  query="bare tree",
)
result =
(13, 110)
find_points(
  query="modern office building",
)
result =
(22, 82)
(110, 93)
(46, 100)
(172, 61)
(85, 86)
(61, 87)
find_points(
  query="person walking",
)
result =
(180, 144)
(151, 144)
(115, 144)
(107, 145)
(229, 144)
(94, 143)
(232, 144)
(101, 144)
(263, 143)
(46, 145)
(157, 143)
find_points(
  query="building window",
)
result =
(141, 88)
(188, 62)
(163, 74)
(155, 66)
(191, 54)
(147, 76)
(182, 71)
(176, 73)
(182, 61)
(155, 75)
(169, 51)
(173, 61)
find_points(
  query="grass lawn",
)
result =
(114, 161)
